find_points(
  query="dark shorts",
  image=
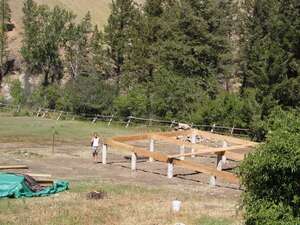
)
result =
(95, 150)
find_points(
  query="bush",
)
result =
(47, 97)
(271, 175)
(229, 109)
(176, 97)
(88, 95)
(17, 92)
(135, 103)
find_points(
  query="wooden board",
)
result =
(235, 156)
(11, 167)
(139, 151)
(207, 170)
(38, 175)
(229, 139)
(209, 150)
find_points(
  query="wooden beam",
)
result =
(210, 150)
(131, 138)
(13, 167)
(173, 141)
(229, 139)
(44, 182)
(149, 135)
(235, 156)
(230, 177)
(38, 175)
(139, 151)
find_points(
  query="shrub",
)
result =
(135, 103)
(176, 97)
(17, 92)
(229, 109)
(271, 174)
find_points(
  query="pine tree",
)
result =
(5, 15)
(271, 52)
(98, 54)
(144, 51)
(117, 35)
(78, 47)
(45, 34)
(196, 41)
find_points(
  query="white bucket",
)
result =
(176, 205)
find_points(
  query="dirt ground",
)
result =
(74, 163)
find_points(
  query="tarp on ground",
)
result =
(17, 186)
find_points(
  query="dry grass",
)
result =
(124, 205)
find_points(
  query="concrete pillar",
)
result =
(104, 153)
(170, 169)
(151, 149)
(224, 145)
(133, 161)
(182, 151)
(193, 141)
(219, 161)
(212, 181)
(224, 159)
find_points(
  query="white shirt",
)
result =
(96, 142)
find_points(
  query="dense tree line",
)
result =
(168, 59)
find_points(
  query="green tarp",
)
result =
(14, 186)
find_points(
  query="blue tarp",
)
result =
(14, 186)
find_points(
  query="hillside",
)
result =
(99, 10)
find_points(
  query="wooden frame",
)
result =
(121, 143)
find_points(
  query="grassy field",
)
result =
(27, 129)
(126, 203)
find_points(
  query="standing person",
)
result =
(95, 147)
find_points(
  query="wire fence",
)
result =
(129, 121)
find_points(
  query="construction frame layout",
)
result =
(234, 149)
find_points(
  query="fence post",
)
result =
(45, 112)
(150, 122)
(172, 123)
(232, 130)
(213, 128)
(38, 113)
(110, 120)
(61, 112)
(128, 122)
(95, 119)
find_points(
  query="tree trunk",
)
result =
(46, 78)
